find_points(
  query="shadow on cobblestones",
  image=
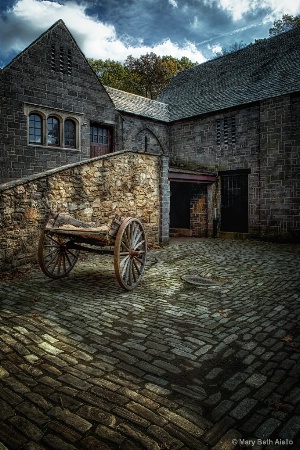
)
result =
(85, 365)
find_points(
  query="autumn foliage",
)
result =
(147, 75)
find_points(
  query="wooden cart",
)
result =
(64, 237)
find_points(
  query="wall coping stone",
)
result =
(37, 176)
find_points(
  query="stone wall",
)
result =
(264, 138)
(164, 200)
(144, 135)
(226, 140)
(123, 183)
(199, 213)
(280, 166)
(51, 77)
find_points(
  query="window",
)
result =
(52, 131)
(35, 129)
(99, 135)
(70, 133)
(53, 127)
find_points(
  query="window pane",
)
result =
(99, 135)
(105, 134)
(70, 129)
(35, 129)
(52, 131)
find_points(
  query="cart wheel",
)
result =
(130, 253)
(55, 257)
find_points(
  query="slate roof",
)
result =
(263, 70)
(135, 104)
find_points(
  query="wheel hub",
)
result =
(133, 253)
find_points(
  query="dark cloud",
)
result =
(156, 20)
(16, 36)
(140, 19)
(193, 20)
(6, 5)
(144, 23)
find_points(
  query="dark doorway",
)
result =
(234, 202)
(188, 209)
(180, 204)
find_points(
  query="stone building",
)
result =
(233, 139)
(230, 128)
(54, 111)
(240, 115)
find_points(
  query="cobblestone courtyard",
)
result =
(171, 365)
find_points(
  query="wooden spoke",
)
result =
(55, 257)
(130, 253)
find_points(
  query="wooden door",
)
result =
(101, 141)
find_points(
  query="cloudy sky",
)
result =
(117, 28)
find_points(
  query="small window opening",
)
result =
(233, 133)
(218, 131)
(61, 60)
(52, 57)
(226, 131)
(69, 63)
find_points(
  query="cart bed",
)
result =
(63, 237)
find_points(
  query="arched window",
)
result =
(70, 133)
(52, 131)
(35, 129)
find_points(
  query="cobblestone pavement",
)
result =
(85, 365)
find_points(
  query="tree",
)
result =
(114, 74)
(155, 71)
(177, 65)
(153, 74)
(286, 23)
(232, 48)
(147, 75)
